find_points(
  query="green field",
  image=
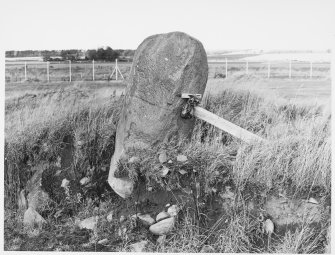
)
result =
(76, 123)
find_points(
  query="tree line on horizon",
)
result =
(100, 54)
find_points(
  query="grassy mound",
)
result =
(295, 161)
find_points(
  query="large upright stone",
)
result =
(164, 66)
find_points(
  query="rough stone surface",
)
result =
(65, 183)
(162, 215)
(134, 160)
(146, 219)
(110, 216)
(164, 66)
(164, 171)
(85, 180)
(163, 227)
(32, 218)
(162, 157)
(181, 158)
(173, 210)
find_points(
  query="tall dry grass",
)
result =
(36, 125)
(297, 151)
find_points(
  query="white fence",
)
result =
(275, 69)
(92, 71)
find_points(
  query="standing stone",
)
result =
(164, 66)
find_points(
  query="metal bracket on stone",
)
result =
(191, 109)
(193, 100)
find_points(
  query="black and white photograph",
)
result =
(167, 126)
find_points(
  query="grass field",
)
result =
(41, 119)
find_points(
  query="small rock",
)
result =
(146, 219)
(85, 180)
(164, 171)
(207, 249)
(163, 227)
(161, 239)
(122, 219)
(89, 201)
(58, 172)
(80, 143)
(181, 158)
(89, 223)
(214, 190)
(138, 247)
(65, 183)
(103, 241)
(162, 157)
(268, 227)
(170, 161)
(59, 162)
(45, 147)
(149, 188)
(313, 201)
(31, 217)
(162, 215)
(173, 210)
(167, 205)
(182, 172)
(134, 159)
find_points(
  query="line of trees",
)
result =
(100, 54)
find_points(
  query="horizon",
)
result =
(260, 24)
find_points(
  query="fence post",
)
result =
(290, 71)
(226, 68)
(48, 74)
(311, 70)
(247, 67)
(25, 71)
(269, 70)
(70, 74)
(116, 68)
(93, 69)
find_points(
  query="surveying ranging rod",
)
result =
(191, 109)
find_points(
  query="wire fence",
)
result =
(95, 71)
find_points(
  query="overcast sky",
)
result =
(124, 24)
